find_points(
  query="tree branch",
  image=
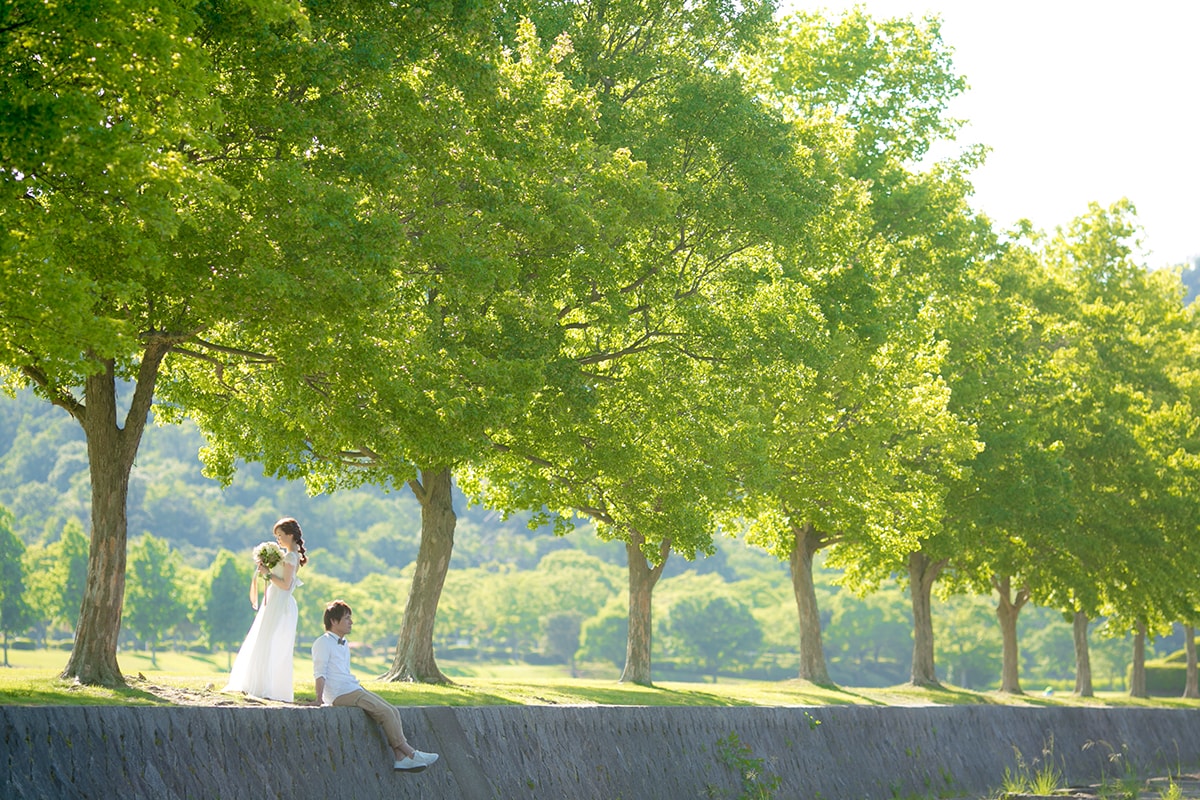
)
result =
(248, 355)
(56, 396)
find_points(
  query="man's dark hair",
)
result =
(335, 611)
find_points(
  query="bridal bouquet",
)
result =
(268, 554)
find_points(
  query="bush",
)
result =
(1167, 676)
(23, 644)
(1165, 679)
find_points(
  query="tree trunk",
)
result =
(414, 652)
(1137, 684)
(1191, 688)
(111, 451)
(642, 578)
(1083, 661)
(1007, 610)
(812, 653)
(921, 576)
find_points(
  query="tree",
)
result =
(217, 186)
(560, 632)
(71, 218)
(870, 636)
(863, 440)
(15, 613)
(643, 449)
(714, 631)
(42, 592)
(1001, 339)
(521, 296)
(498, 232)
(1128, 428)
(1081, 404)
(56, 575)
(225, 617)
(968, 638)
(153, 605)
(1083, 659)
(72, 572)
(605, 636)
(576, 581)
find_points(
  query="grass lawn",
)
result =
(32, 679)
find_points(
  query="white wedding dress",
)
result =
(263, 667)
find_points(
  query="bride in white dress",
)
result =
(263, 667)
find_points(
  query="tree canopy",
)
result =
(680, 270)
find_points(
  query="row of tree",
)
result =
(511, 593)
(569, 609)
(679, 268)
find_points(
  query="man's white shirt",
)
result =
(331, 661)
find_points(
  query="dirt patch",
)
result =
(207, 696)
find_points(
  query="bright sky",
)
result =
(1080, 101)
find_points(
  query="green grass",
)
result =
(32, 679)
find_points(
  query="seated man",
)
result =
(336, 686)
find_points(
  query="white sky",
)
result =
(1080, 101)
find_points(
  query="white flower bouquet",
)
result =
(268, 554)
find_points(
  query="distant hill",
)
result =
(44, 482)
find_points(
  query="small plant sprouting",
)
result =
(757, 782)
(1032, 778)
(1128, 784)
(1171, 791)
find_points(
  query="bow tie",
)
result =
(341, 641)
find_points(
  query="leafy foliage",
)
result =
(15, 611)
(152, 602)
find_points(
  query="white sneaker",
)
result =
(424, 758)
(409, 764)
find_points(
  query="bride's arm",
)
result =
(287, 571)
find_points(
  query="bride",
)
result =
(263, 667)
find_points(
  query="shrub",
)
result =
(1165, 679)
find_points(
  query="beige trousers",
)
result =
(378, 709)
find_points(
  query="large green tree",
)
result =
(1076, 372)
(999, 345)
(862, 435)
(551, 288)
(1129, 429)
(509, 214)
(180, 180)
(645, 450)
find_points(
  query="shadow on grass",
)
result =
(463, 694)
(665, 694)
(74, 695)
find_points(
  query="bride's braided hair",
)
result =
(292, 528)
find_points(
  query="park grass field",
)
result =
(190, 679)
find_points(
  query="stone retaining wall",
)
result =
(593, 753)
